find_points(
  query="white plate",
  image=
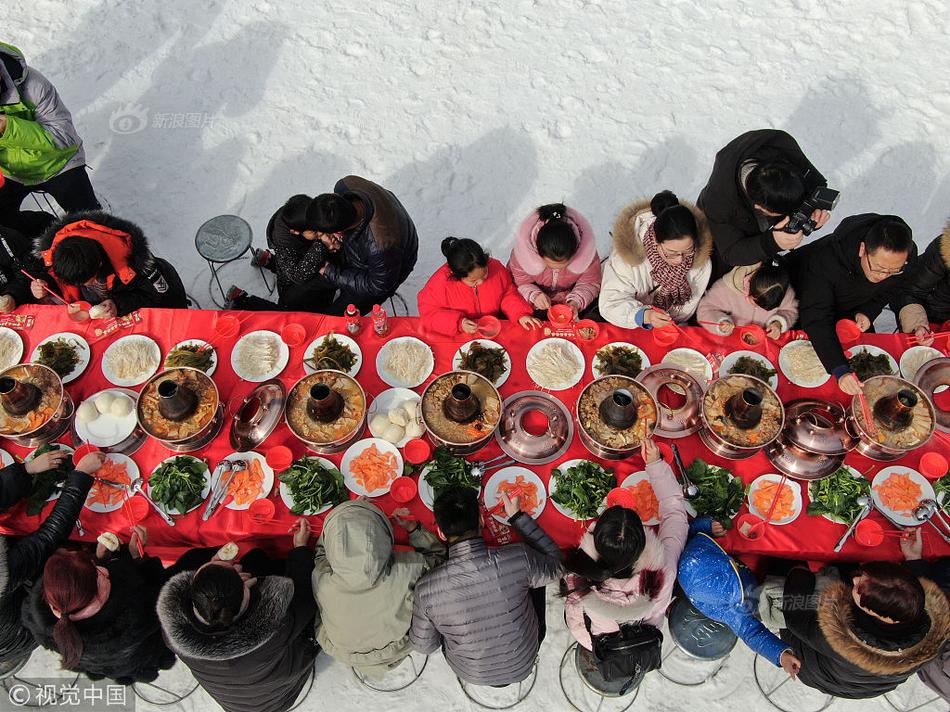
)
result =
(908, 366)
(926, 492)
(388, 400)
(17, 342)
(707, 368)
(388, 378)
(426, 493)
(569, 379)
(508, 474)
(797, 504)
(730, 360)
(691, 510)
(831, 518)
(83, 351)
(205, 491)
(199, 343)
(356, 449)
(289, 500)
(784, 364)
(283, 356)
(487, 343)
(108, 430)
(138, 378)
(644, 359)
(8, 460)
(552, 488)
(343, 339)
(635, 478)
(133, 471)
(874, 351)
(266, 485)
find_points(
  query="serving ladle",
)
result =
(926, 511)
(864, 502)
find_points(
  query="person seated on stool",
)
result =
(16, 256)
(928, 291)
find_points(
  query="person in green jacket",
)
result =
(364, 589)
(40, 149)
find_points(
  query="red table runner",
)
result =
(807, 537)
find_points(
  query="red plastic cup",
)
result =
(933, 465)
(869, 533)
(848, 332)
(751, 334)
(138, 509)
(749, 526)
(560, 315)
(78, 311)
(403, 489)
(665, 335)
(587, 329)
(293, 334)
(620, 497)
(82, 451)
(279, 458)
(262, 509)
(417, 451)
(535, 422)
(226, 326)
(489, 327)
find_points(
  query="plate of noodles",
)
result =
(555, 364)
(801, 365)
(259, 356)
(11, 348)
(131, 360)
(404, 362)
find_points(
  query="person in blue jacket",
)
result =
(723, 589)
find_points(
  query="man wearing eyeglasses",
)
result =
(853, 273)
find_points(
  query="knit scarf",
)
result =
(671, 280)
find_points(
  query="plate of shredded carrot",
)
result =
(764, 490)
(370, 466)
(247, 485)
(105, 498)
(645, 503)
(896, 491)
(515, 482)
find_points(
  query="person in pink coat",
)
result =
(757, 294)
(555, 259)
(623, 572)
(469, 286)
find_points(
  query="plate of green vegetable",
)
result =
(336, 351)
(485, 357)
(180, 484)
(66, 353)
(193, 353)
(942, 489)
(749, 363)
(618, 358)
(312, 485)
(868, 361)
(442, 471)
(834, 497)
(720, 492)
(578, 489)
(46, 485)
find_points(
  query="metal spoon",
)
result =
(865, 503)
(137, 488)
(690, 489)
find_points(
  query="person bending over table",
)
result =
(725, 590)
(16, 254)
(622, 572)
(555, 260)
(468, 286)
(22, 560)
(485, 607)
(660, 263)
(853, 273)
(106, 261)
(755, 294)
(936, 673)
(928, 290)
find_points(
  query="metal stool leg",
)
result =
(917, 690)
(675, 650)
(524, 689)
(396, 682)
(773, 688)
(589, 699)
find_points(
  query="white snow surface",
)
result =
(474, 114)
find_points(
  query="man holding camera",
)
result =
(763, 197)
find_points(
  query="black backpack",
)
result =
(630, 653)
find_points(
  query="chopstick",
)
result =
(778, 493)
(45, 288)
(872, 428)
(127, 508)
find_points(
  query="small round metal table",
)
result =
(221, 240)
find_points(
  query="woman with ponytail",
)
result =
(623, 572)
(660, 264)
(757, 294)
(99, 614)
(469, 286)
(555, 259)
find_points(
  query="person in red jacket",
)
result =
(469, 286)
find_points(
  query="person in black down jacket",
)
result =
(21, 561)
(485, 607)
(16, 254)
(862, 637)
(245, 632)
(374, 238)
(853, 273)
(928, 290)
(98, 612)
(758, 179)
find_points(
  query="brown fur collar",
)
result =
(835, 617)
(945, 245)
(627, 243)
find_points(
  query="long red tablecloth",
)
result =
(810, 538)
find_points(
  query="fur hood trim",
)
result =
(945, 245)
(139, 255)
(634, 218)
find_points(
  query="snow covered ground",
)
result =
(473, 114)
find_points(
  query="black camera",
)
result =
(823, 198)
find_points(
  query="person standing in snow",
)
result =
(757, 181)
(40, 148)
(555, 260)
